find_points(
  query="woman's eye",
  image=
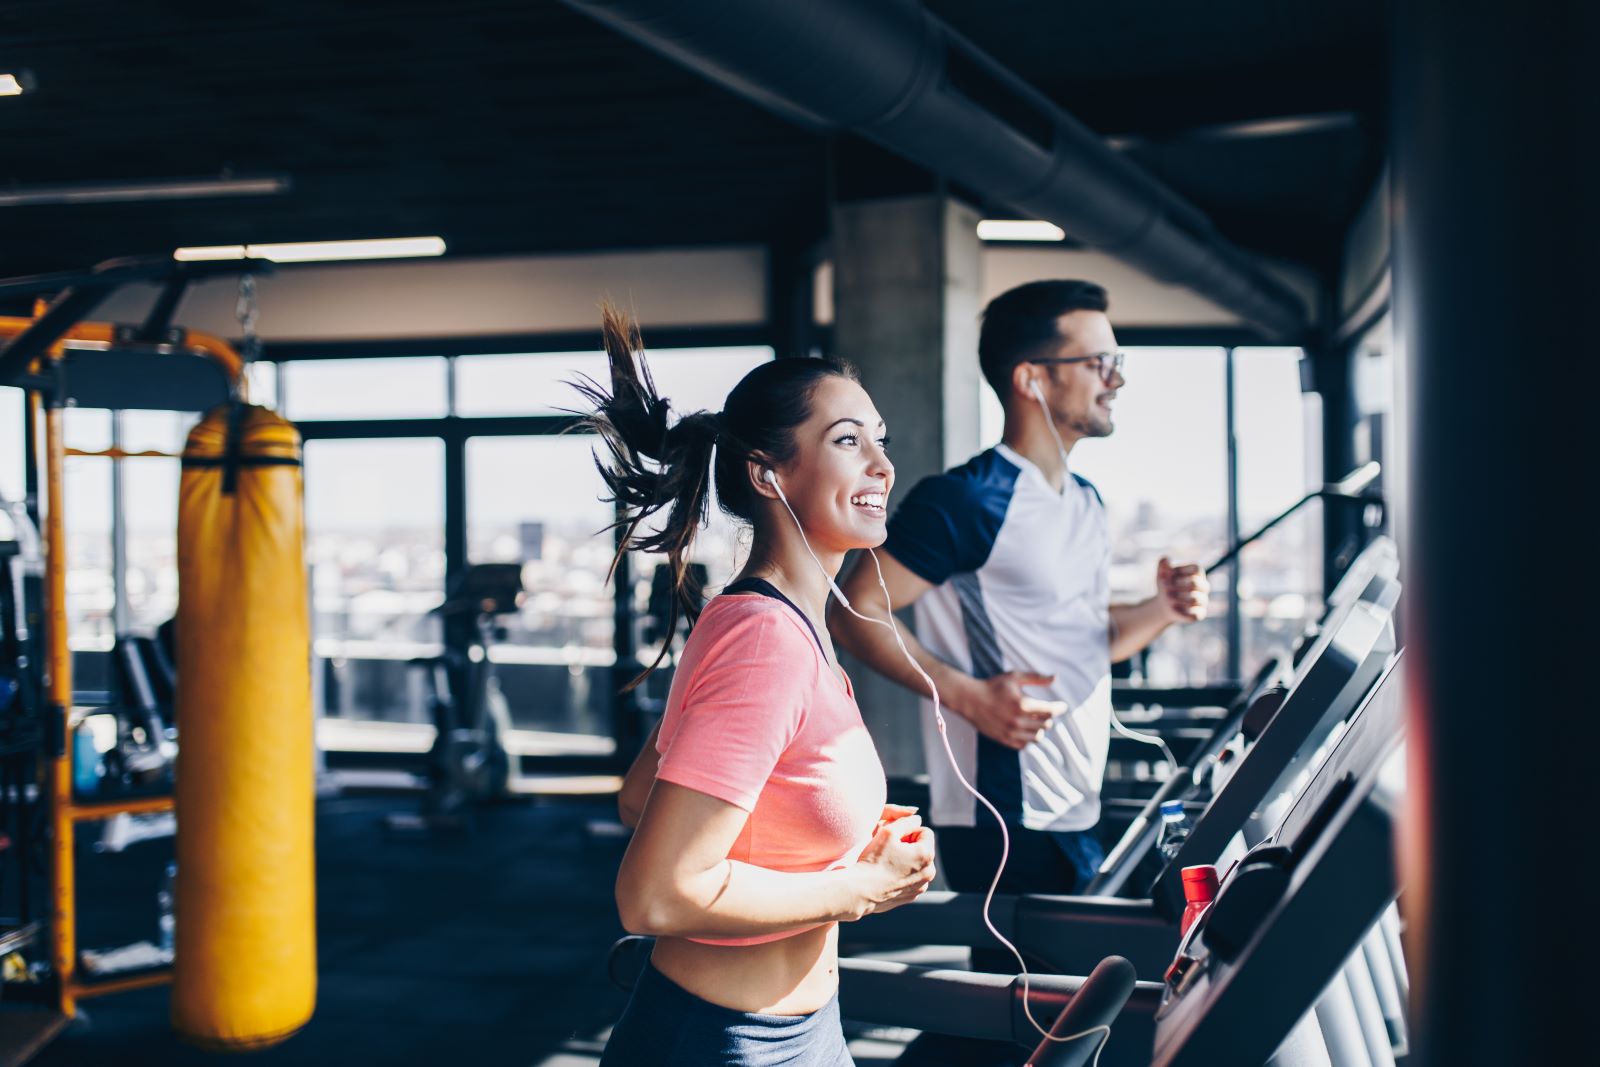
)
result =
(847, 439)
(883, 442)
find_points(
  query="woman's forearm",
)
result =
(734, 899)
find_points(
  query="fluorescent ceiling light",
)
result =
(123, 192)
(10, 85)
(320, 251)
(1019, 230)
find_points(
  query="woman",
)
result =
(760, 801)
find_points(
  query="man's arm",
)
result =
(996, 706)
(1182, 595)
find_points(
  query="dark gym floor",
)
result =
(488, 949)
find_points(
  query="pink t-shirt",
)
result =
(757, 718)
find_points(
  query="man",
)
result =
(1006, 561)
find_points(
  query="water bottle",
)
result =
(87, 767)
(1175, 827)
(1199, 890)
(164, 900)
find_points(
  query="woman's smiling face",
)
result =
(838, 480)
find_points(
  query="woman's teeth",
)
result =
(870, 501)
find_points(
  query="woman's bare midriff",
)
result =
(793, 976)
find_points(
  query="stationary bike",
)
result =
(468, 764)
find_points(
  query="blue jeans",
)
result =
(1041, 861)
(665, 1025)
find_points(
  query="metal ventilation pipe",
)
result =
(892, 72)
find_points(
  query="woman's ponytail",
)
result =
(652, 466)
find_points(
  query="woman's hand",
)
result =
(891, 812)
(897, 865)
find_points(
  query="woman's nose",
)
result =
(881, 464)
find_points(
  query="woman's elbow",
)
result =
(634, 915)
(628, 811)
(647, 913)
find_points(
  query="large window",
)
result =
(375, 551)
(1164, 477)
(1279, 432)
(150, 514)
(91, 586)
(12, 479)
(413, 387)
(693, 379)
(537, 501)
(376, 520)
(150, 517)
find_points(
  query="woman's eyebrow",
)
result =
(852, 421)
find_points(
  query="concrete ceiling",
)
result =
(509, 126)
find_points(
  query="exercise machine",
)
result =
(1068, 934)
(467, 764)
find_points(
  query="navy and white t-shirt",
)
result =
(1021, 576)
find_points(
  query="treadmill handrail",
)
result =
(1140, 835)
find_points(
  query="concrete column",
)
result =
(906, 292)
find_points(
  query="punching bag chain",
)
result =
(246, 312)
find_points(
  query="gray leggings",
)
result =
(665, 1025)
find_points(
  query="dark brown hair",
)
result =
(1021, 321)
(656, 464)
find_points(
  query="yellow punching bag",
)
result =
(246, 968)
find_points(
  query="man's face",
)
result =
(1078, 398)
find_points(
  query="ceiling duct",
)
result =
(892, 72)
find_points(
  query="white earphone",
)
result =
(770, 476)
(1049, 420)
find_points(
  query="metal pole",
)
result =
(1235, 568)
(119, 535)
(626, 727)
(63, 941)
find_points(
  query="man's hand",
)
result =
(1184, 593)
(1002, 712)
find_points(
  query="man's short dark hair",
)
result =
(1021, 321)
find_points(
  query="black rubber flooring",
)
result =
(482, 950)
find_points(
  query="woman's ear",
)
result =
(763, 479)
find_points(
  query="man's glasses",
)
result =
(1107, 363)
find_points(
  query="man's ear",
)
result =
(1021, 375)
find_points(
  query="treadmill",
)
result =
(1284, 969)
(1372, 576)
(1070, 934)
(1296, 909)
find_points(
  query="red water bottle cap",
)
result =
(1200, 884)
